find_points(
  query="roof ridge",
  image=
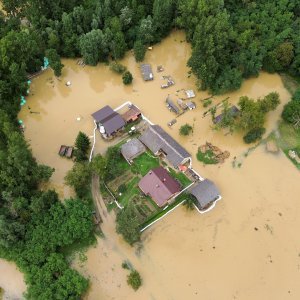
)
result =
(152, 126)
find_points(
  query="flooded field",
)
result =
(11, 281)
(248, 247)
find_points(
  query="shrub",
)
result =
(127, 78)
(117, 67)
(254, 134)
(185, 129)
(134, 279)
(126, 265)
(122, 188)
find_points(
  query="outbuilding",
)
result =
(206, 194)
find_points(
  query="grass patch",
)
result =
(289, 139)
(207, 157)
(144, 163)
(291, 83)
(184, 181)
(131, 191)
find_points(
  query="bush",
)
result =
(185, 129)
(126, 265)
(127, 78)
(117, 67)
(254, 135)
(134, 279)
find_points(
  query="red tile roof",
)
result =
(159, 185)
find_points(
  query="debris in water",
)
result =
(68, 83)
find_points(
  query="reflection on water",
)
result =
(246, 248)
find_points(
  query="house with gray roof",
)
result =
(132, 149)
(206, 194)
(161, 143)
(108, 121)
(146, 71)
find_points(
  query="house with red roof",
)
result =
(159, 185)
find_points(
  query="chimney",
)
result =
(164, 180)
(157, 186)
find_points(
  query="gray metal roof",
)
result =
(172, 105)
(205, 192)
(156, 139)
(132, 149)
(109, 119)
(146, 72)
(233, 111)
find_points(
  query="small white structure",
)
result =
(190, 94)
(191, 105)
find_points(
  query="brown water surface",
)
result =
(248, 247)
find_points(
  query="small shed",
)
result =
(233, 111)
(132, 114)
(190, 94)
(206, 193)
(132, 149)
(191, 105)
(171, 105)
(147, 72)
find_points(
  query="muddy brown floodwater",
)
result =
(248, 247)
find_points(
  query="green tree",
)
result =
(128, 225)
(163, 15)
(251, 115)
(127, 78)
(93, 47)
(79, 178)
(185, 129)
(291, 113)
(54, 61)
(82, 142)
(99, 166)
(269, 102)
(139, 51)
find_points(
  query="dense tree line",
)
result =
(233, 39)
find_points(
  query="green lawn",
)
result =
(180, 177)
(131, 190)
(144, 163)
(289, 139)
(207, 157)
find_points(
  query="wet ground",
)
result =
(248, 247)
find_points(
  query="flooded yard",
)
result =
(248, 247)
